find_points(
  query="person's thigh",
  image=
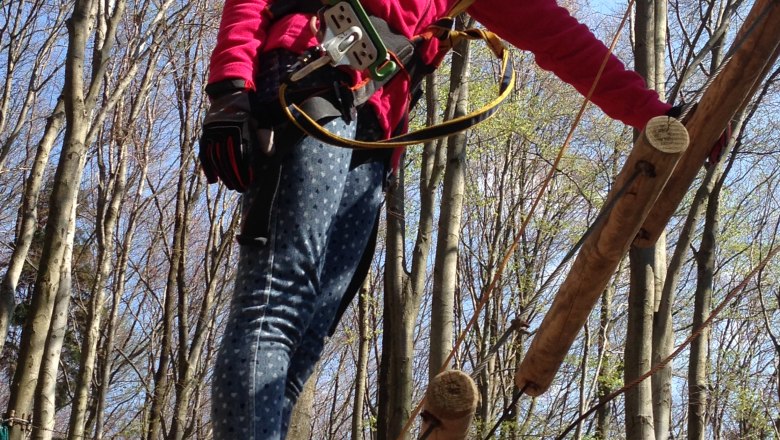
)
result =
(277, 286)
(349, 235)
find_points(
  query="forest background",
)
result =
(117, 260)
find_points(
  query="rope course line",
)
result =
(520, 325)
(517, 325)
(695, 334)
(516, 240)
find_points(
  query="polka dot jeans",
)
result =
(289, 289)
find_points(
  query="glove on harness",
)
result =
(231, 137)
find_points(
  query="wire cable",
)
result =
(695, 334)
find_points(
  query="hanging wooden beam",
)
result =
(450, 403)
(643, 177)
(758, 44)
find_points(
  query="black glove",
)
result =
(675, 111)
(229, 138)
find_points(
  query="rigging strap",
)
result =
(314, 109)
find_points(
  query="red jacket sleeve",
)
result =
(567, 48)
(242, 32)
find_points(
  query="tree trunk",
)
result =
(643, 265)
(161, 375)
(639, 399)
(63, 197)
(385, 398)
(219, 246)
(607, 370)
(663, 336)
(699, 357)
(451, 207)
(107, 351)
(28, 219)
(396, 365)
(45, 405)
(403, 290)
(110, 197)
(361, 373)
(189, 355)
(303, 411)
(487, 383)
(662, 345)
(607, 373)
(118, 290)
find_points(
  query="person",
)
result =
(312, 208)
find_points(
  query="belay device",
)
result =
(348, 37)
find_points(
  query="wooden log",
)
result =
(450, 403)
(728, 93)
(648, 168)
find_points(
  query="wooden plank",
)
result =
(728, 93)
(643, 177)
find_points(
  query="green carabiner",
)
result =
(383, 66)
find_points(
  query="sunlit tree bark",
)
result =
(643, 266)
(78, 106)
(451, 208)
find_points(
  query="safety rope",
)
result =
(516, 240)
(517, 325)
(695, 334)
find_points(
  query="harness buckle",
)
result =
(331, 51)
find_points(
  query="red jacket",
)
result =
(559, 42)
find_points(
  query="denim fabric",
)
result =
(288, 290)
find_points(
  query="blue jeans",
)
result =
(289, 288)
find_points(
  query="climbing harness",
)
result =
(350, 37)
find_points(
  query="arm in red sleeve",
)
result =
(241, 34)
(569, 49)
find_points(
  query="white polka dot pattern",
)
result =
(288, 291)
